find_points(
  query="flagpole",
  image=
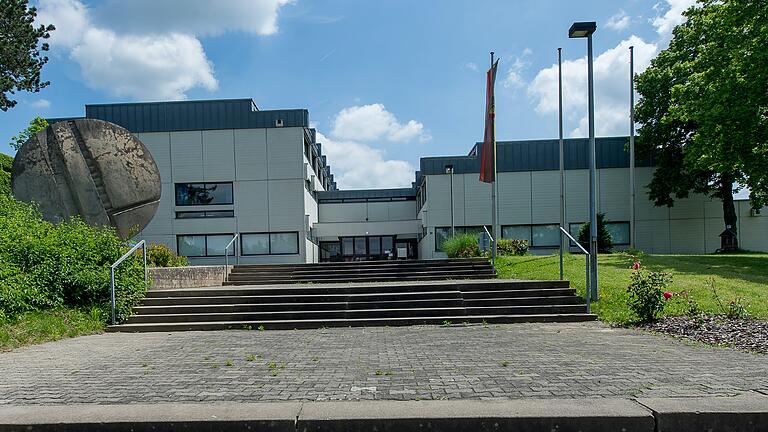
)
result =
(562, 154)
(632, 147)
(494, 229)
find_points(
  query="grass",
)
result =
(742, 276)
(45, 326)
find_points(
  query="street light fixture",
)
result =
(585, 30)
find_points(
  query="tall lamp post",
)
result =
(449, 170)
(585, 30)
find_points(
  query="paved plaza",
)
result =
(405, 363)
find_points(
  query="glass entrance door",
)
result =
(367, 248)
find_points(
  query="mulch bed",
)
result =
(743, 334)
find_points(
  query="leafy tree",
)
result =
(35, 125)
(5, 174)
(20, 60)
(704, 106)
(604, 239)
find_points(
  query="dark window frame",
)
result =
(269, 243)
(206, 244)
(205, 214)
(205, 185)
(530, 227)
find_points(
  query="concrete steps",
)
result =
(288, 306)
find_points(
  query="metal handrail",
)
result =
(143, 245)
(493, 258)
(226, 256)
(588, 260)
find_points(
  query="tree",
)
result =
(35, 125)
(703, 106)
(604, 239)
(5, 174)
(20, 60)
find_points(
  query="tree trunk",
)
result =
(726, 194)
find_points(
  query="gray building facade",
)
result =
(228, 168)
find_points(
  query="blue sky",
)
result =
(385, 81)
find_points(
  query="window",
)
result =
(347, 246)
(441, 235)
(270, 243)
(517, 232)
(203, 244)
(545, 236)
(619, 232)
(205, 214)
(360, 248)
(188, 194)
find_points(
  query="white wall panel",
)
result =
(285, 157)
(401, 210)
(688, 208)
(576, 195)
(514, 198)
(687, 236)
(251, 206)
(187, 156)
(342, 212)
(286, 205)
(545, 197)
(477, 201)
(614, 193)
(250, 154)
(653, 236)
(439, 197)
(333, 230)
(219, 155)
(159, 145)
(162, 221)
(646, 209)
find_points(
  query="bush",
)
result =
(160, 255)
(5, 174)
(48, 266)
(648, 292)
(513, 247)
(461, 246)
(604, 239)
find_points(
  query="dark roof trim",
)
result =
(367, 193)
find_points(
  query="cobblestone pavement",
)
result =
(428, 362)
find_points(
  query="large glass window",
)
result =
(545, 236)
(374, 245)
(284, 243)
(254, 244)
(203, 245)
(619, 232)
(517, 232)
(386, 245)
(360, 246)
(348, 246)
(441, 235)
(188, 194)
(270, 243)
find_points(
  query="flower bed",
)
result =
(744, 334)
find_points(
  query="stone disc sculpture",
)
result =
(89, 168)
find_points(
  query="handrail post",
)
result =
(143, 245)
(112, 288)
(226, 255)
(493, 244)
(587, 266)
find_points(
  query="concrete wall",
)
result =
(165, 278)
(693, 225)
(367, 218)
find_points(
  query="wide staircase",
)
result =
(357, 294)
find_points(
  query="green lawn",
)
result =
(44, 326)
(743, 276)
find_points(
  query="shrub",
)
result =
(734, 309)
(160, 255)
(5, 174)
(47, 266)
(461, 246)
(604, 239)
(647, 292)
(513, 247)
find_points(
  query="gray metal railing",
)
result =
(226, 255)
(493, 258)
(586, 266)
(143, 245)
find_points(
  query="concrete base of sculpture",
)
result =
(92, 169)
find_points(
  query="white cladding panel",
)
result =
(644, 207)
(688, 208)
(251, 206)
(687, 236)
(162, 222)
(400, 210)
(285, 157)
(653, 236)
(614, 193)
(477, 201)
(712, 229)
(577, 195)
(334, 230)
(439, 197)
(753, 230)
(545, 197)
(286, 205)
(342, 212)
(377, 212)
(187, 156)
(159, 145)
(205, 225)
(515, 198)
(218, 155)
(250, 154)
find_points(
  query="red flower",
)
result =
(668, 295)
(636, 265)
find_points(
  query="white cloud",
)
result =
(41, 104)
(620, 21)
(359, 166)
(160, 67)
(514, 78)
(664, 24)
(611, 88)
(198, 17)
(372, 122)
(148, 49)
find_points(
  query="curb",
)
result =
(748, 413)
